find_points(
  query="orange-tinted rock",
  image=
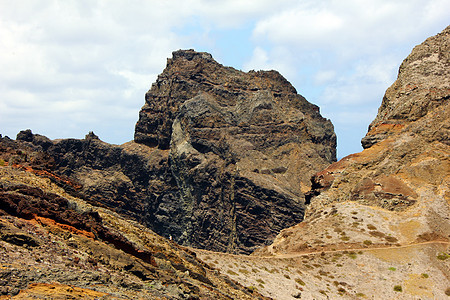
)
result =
(396, 190)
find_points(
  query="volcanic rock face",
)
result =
(221, 158)
(242, 149)
(395, 193)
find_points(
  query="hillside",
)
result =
(53, 244)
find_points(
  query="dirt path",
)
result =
(298, 254)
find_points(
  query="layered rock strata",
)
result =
(221, 158)
(242, 147)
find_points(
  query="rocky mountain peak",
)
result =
(190, 55)
(221, 158)
(230, 134)
(187, 73)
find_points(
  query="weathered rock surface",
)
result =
(221, 158)
(395, 193)
(242, 149)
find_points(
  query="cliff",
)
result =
(242, 147)
(221, 158)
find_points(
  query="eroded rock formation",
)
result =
(221, 158)
(242, 148)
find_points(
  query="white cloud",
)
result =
(325, 76)
(83, 60)
(353, 25)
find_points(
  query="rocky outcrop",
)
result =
(404, 169)
(242, 149)
(422, 86)
(132, 179)
(407, 143)
(221, 158)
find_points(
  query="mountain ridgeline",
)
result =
(221, 158)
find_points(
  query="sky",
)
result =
(70, 67)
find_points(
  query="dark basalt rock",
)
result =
(222, 126)
(221, 158)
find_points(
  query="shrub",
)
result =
(425, 275)
(391, 239)
(377, 234)
(392, 269)
(443, 256)
(398, 288)
(299, 281)
(371, 227)
(243, 271)
(231, 272)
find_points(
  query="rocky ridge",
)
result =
(221, 158)
(242, 149)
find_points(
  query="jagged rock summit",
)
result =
(221, 161)
(221, 158)
(242, 148)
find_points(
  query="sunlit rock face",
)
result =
(396, 191)
(221, 158)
